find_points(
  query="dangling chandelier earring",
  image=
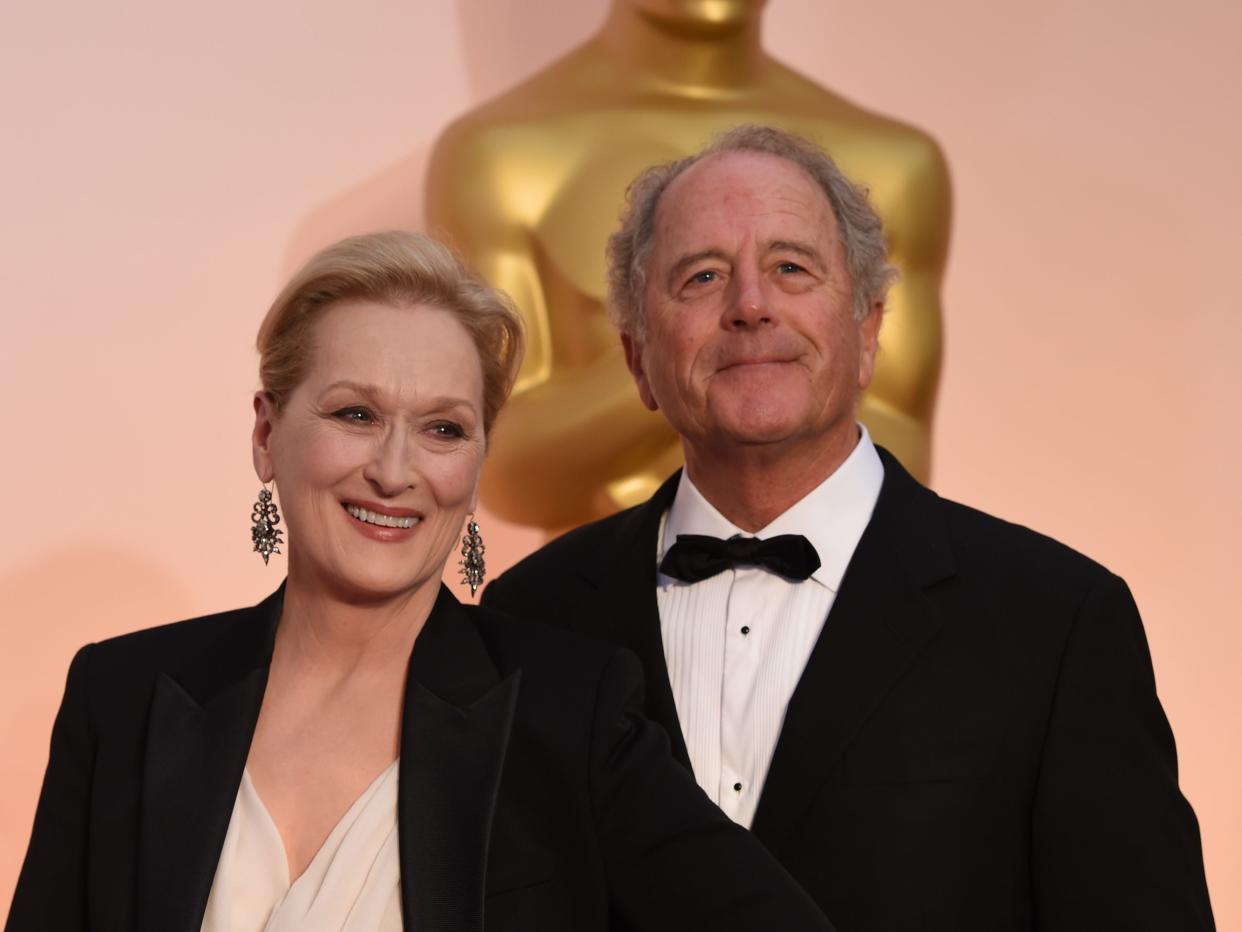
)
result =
(263, 531)
(472, 566)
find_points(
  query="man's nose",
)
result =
(750, 304)
(392, 467)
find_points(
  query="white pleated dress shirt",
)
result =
(353, 884)
(736, 644)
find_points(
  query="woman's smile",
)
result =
(382, 524)
(382, 518)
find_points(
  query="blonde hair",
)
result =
(860, 227)
(392, 268)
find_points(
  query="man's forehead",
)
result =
(747, 171)
(729, 190)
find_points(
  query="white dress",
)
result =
(353, 884)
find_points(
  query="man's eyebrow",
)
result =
(800, 249)
(681, 265)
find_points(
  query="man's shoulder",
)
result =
(582, 553)
(1006, 550)
(558, 666)
(969, 539)
(523, 641)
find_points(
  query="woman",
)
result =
(359, 751)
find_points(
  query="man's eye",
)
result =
(789, 268)
(355, 415)
(706, 277)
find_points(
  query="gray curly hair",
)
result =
(861, 230)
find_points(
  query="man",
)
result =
(934, 719)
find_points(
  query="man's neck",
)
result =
(694, 59)
(754, 485)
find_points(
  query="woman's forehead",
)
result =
(414, 350)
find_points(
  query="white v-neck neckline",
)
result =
(330, 842)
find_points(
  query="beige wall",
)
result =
(165, 165)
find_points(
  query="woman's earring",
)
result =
(263, 531)
(472, 566)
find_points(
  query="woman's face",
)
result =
(376, 454)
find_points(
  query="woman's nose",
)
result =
(392, 468)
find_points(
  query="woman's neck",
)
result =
(339, 634)
(704, 58)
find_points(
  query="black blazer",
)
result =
(532, 793)
(975, 743)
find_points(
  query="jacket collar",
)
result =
(456, 721)
(880, 622)
(202, 719)
(454, 734)
(624, 609)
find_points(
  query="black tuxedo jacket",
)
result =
(533, 794)
(975, 743)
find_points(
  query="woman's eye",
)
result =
(355, 415)
(448, 430)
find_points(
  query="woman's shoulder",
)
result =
(170, 645)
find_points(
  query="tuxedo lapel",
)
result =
(455, 732)
(626, 613)
(879, 623)
(200, 726)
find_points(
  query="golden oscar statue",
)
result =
(529, 186)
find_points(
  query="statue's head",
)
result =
(696, 14)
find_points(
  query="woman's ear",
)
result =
(261, 437)
(474, 497)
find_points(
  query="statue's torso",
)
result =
(552, 160)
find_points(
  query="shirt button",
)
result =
(746, 629)
(737, 787)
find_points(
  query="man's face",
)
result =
(750, 332)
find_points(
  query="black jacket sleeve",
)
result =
(51, 890)
(1115, 845)
(674, 861)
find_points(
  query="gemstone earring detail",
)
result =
(472, 566)
(264, 517)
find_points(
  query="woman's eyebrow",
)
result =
(370, 391)
(375, 394)
(444, 402)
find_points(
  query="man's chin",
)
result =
(758, 431)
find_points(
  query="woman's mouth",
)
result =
(379, 520)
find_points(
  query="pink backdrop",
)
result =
(165, 166)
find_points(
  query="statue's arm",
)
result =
(567, 431)
(900, 404)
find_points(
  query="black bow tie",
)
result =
(695, 557)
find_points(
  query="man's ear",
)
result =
(634, 362)
(261, 436)
(869, 345)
